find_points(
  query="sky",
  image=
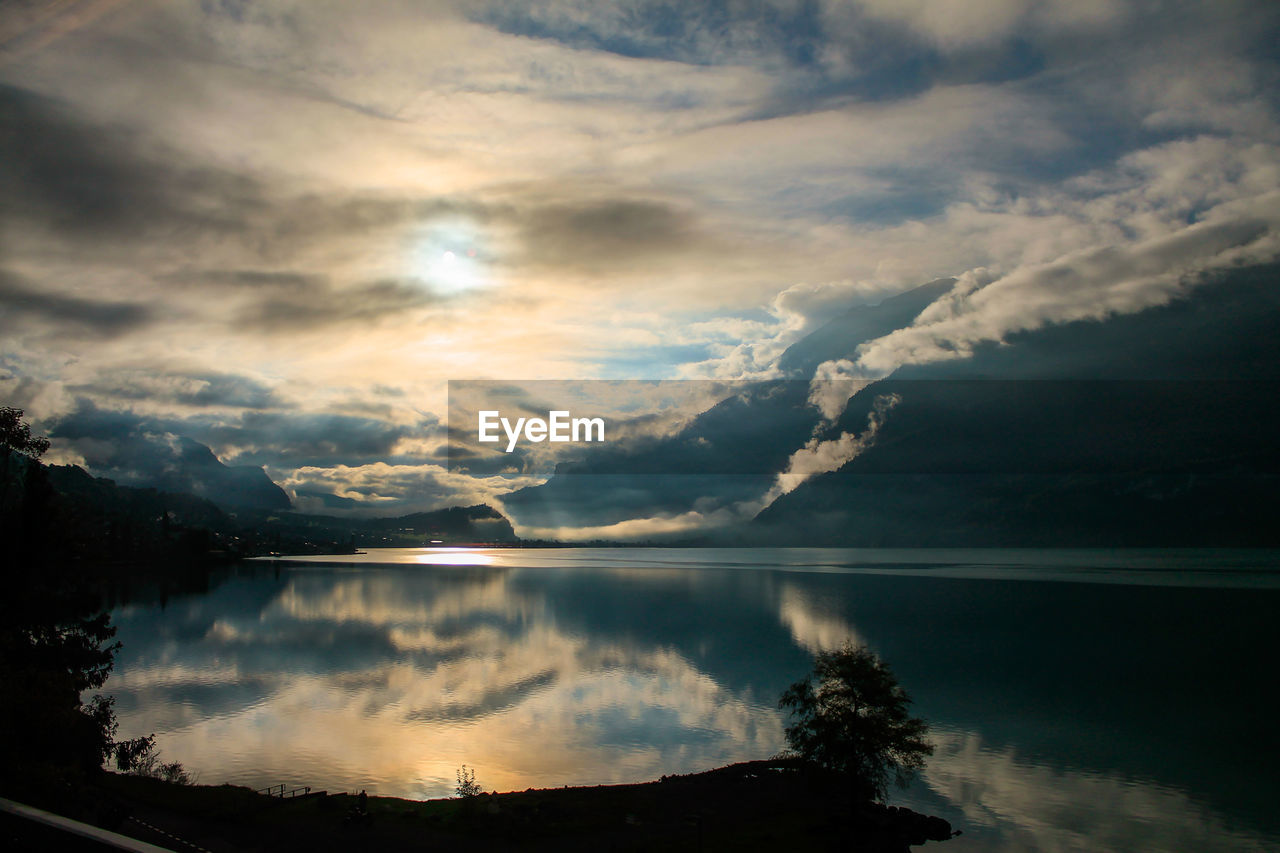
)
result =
(280, 228)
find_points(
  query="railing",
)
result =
(57, 823)
(283, 792)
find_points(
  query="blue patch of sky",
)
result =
(889, 196)
(1099, 136)
(659, 362)
(757, 315)
(702, 33)
(233, 9)
(890, 207)
(886, 62)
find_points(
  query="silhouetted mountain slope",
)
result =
(1147, 428)
(840, 337)
(142, 504)
(1035, 455)
(298, 533)
(728, 453)
(1228, 328)
(132, 453)
(725, 454)
(479, 522)
(93, 518)
(1050, 463)
(199, 472)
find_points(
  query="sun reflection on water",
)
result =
(455, 557)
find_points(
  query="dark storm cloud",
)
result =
(596, 234)
(190, 389)
(54, 163)
(129, 449)
(297, 440)
(24, 305)
(317, 306)
(228, 390)
(124, 441)
(88, 421)
(96, 181)
(111, 188)
(87, 180)
(245, 279)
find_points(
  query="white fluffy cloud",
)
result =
(1100, 281)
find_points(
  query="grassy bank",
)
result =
(763, 805)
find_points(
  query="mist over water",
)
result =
(1080, 700)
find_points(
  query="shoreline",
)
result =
(770, 804)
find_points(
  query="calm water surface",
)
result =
(1080, 700)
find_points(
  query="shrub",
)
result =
(467, 786)
(854, 722)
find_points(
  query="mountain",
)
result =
(479, 523)
(727, 454)
(113, 521)
(199, 472)
(1154, 428)
(139, 504)
(840, 337)
(295, 533)
(131, 452)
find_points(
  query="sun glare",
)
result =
(448, 259)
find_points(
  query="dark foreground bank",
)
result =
(760, 805)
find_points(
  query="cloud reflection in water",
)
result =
(392, 679)
(1021, 805)
(612, 666)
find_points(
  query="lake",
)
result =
(1079, 699)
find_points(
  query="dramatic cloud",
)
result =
(200, 390)
(243, 223)
(1088, 285)
(65, 313)
(320, 306)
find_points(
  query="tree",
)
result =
(55, 638)
(55, 644)
(855, 722)
(16, 438)
(15, 434)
